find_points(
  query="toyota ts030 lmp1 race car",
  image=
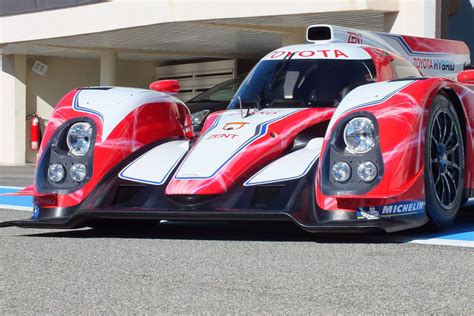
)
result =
(355, 131)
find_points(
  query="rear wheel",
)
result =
(444, 163)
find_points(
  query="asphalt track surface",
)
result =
(221, 268)
(16, 176)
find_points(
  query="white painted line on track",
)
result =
(10, 187)
(443, 242)
(16, 208)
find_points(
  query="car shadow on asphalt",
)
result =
(259, 231)
(231, 231)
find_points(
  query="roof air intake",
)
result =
(319, 33)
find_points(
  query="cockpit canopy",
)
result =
(302, 82)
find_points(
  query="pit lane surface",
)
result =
(231, 268)
(224, 268)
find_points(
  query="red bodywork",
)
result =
(256, 155)
(145, 125)
(401, 119)
(402, 123)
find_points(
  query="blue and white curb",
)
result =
(461, 239)
(443, 242)
(20, 203)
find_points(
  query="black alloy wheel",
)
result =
(444, 163)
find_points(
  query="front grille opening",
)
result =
(125, 193)
(264, 195)
(191, 199)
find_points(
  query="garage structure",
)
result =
(126, 43)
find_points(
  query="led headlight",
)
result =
(79, 138)
(198, 117)
(56, 172)
(359, 135)
(78, 172)
(367, 171)
(341, 171)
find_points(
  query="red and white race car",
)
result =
(355, 131)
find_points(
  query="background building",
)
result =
(128, 43)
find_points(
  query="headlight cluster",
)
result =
(359, 137)
(341, 171)
(56, 172)
(78, 140)
(367, 171)
(78, 172)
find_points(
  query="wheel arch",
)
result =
(458, 107)
(460, 111)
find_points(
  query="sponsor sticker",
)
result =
(389, 210)
(316, 53)
(223, 136)
(434, 64)
(354, 38)
(233, 126)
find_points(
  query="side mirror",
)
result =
(166, 86)
(466, 76)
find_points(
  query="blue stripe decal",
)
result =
(77, 107)
(26, 201)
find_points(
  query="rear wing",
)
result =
(433, 57)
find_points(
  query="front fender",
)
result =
(400, 109)
(125, 119)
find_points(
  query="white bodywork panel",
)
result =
(368, 95)
(430, 63)
(114, 104)
(292, 166)
(155, 166)
(226, 138)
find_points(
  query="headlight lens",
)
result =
(56, 172)
(198, 117)
(79, 138)
(359, 135)
(367, 171)
(78, 172)
(341, 171)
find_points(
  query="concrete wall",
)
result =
(138, 74)
(415, 17)
(65, 74)
(12, 109)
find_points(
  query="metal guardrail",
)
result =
(13, 7)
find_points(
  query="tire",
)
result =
(444, 163)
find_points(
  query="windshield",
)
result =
(302, 82)
(221, 93)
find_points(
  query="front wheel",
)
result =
(444, 163)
